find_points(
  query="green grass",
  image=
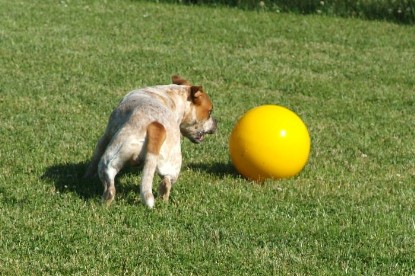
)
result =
(64, 65)
(402, 11)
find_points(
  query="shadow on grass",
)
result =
(218, 169)
(68, 178)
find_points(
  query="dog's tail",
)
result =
(156, 134)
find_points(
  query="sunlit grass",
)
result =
(64, 67)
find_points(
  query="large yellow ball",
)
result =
(269, 141)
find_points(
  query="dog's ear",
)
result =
(176, 79)
(195, 93)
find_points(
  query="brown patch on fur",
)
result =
(201, 101)
(156, 134)
(176, 79)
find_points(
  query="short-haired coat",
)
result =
(146, 127)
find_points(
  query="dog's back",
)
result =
(147, 126)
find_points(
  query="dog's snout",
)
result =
(214, 126)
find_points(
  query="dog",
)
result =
(146, 128)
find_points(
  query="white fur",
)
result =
(125, 137)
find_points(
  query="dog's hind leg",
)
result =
(99, 151)
(107, 175)
(118, 152)
(156, 134)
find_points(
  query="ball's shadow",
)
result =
(218, 169)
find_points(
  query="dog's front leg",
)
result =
(164, 188)
(169, 169)
(156, 135)
(147, 180)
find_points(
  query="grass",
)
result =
(402, 12)
(64, 67)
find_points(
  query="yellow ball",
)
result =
(269, 141)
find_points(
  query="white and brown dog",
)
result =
(146, 127)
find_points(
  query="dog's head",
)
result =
(198, 120)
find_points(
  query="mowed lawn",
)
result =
(64, 65)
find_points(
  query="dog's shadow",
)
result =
(68, 177)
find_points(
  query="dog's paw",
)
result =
(148, 199)
(108, 196)
(164, 190)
